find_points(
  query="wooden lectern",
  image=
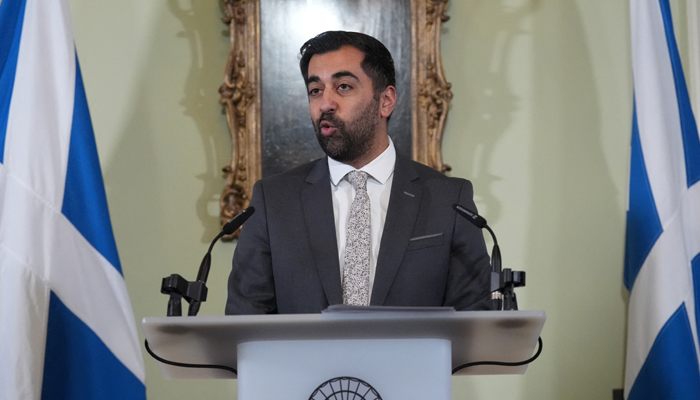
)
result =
(369, 353)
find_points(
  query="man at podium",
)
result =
(364, 225)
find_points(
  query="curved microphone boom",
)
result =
(234, 223)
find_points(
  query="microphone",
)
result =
(480, 223)
(502, 282)
(473, 217)
(236, 222)
(196, 292)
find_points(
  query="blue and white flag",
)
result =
(662, 254)
(67, 330)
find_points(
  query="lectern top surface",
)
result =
(475, 335)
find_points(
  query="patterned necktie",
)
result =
(357, 245)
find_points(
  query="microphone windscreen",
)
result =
(238, 220)
(470, 215)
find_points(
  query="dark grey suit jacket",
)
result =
(286, 260)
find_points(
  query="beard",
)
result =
(351, 140)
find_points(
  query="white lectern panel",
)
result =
(404, 369)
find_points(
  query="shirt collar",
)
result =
(380, 169)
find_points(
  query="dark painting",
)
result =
(287, 132)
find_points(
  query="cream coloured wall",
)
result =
(152, 71)
(540, 122)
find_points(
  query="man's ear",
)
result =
(387, 101)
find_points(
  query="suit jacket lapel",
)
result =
(318, 214)
(401, 215)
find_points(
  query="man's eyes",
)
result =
(343, 87)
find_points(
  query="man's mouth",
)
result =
(326, 128)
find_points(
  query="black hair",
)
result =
(377, 64)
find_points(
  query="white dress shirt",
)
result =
(381, 172)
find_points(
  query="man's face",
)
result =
(343, 107)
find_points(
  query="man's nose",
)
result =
(328, 102)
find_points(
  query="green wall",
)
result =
(540, 122)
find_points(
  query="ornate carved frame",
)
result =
(240, 95)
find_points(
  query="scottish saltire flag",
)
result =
(67, 330)
(662, 255)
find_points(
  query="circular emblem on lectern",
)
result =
(345, 387)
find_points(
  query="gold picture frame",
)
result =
(242, 88)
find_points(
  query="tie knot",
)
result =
(358, 179)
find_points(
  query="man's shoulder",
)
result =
(297, 175)
(426, 173)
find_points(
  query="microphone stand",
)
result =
(195, 292)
